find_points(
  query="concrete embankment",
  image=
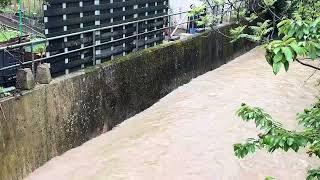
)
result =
(189, 134)
(54, 118)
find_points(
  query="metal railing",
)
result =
(33, 60)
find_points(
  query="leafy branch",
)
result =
(273, 136)
(289, 32)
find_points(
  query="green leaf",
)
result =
(288, 40)
(281, 23)
(269, 3)
(269, 178)
(288, 53)
(313, 174)
(281, 143)
(299, 23)
(295, 147)
(275, 42)
(276, 67)
(294, 45)
(316, 22)
(286, 66)
(286, 148)
(278, 57)
(291, 32)
(290, 141)
(312, 53)
(306, 31)
(276, 50)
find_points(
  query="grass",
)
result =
(37, 48)
(7, 10)
(6, 35)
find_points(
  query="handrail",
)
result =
(91, 30)
(94, 45)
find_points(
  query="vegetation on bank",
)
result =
(30, 8)
(7, 34)
(4, 3)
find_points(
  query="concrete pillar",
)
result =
(25, 79)
(43, 74)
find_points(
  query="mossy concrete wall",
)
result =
(52, 119)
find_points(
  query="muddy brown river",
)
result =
(189, 134)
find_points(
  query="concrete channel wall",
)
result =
(52, 119)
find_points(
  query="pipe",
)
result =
(20, 19)
(181, 20)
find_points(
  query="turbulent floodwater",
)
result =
(189, 134)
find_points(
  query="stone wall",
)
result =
(52, 119)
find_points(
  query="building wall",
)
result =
(176, 6)
(70, 16)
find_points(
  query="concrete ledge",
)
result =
(54, 118)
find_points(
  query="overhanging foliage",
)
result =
(289, 31)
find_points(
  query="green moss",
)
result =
(90, 69)
(132, 55)
(180, 46)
